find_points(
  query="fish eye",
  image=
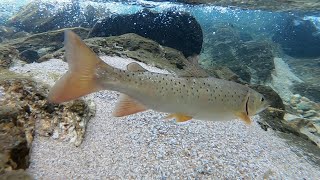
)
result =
(262, 99)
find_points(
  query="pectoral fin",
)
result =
(244, 117)
(179, 117)
(126, 106)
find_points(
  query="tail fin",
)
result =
(81, 77)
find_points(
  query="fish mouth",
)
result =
(264, 106)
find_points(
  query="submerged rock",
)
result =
(29, 56)
(7, 33)
(251, 60)
(40, 16)
(299, 38)
(7, 53)
(141, 49)
(273, 5)
(312, 91)
(23, 103)
(178, 30)
(32, 48)
(16, 175)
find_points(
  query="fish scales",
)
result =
(172, 94)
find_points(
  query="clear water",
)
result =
(240, 39)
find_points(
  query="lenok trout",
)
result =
(183, 98)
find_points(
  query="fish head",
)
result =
(256, 103)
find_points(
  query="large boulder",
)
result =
(244, 56)
(299, 38)
(141, 49)
(40, 16)
(178, 30)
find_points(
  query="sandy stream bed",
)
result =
(144, 146)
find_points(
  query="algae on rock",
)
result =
(23, 104)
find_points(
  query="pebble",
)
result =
(304, 105)
(309, 113)
(295, 99)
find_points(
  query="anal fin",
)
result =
(179, 117)
(244, 117)
(126, 106)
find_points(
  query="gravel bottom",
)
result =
(144, 146)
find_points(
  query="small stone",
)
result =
(55, 134)
(310, 113)
(312, 129)
(290, 117)
(29, 56)
(295, 99)
(304, 105)
(305, 99)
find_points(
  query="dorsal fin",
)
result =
(193, 71)
(135, 67)
(126, 106)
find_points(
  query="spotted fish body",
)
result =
(183, 97)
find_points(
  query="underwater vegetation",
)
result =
(274, 55)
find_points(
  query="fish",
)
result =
(182, 97)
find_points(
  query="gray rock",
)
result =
(304, 105)
(29, 56)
